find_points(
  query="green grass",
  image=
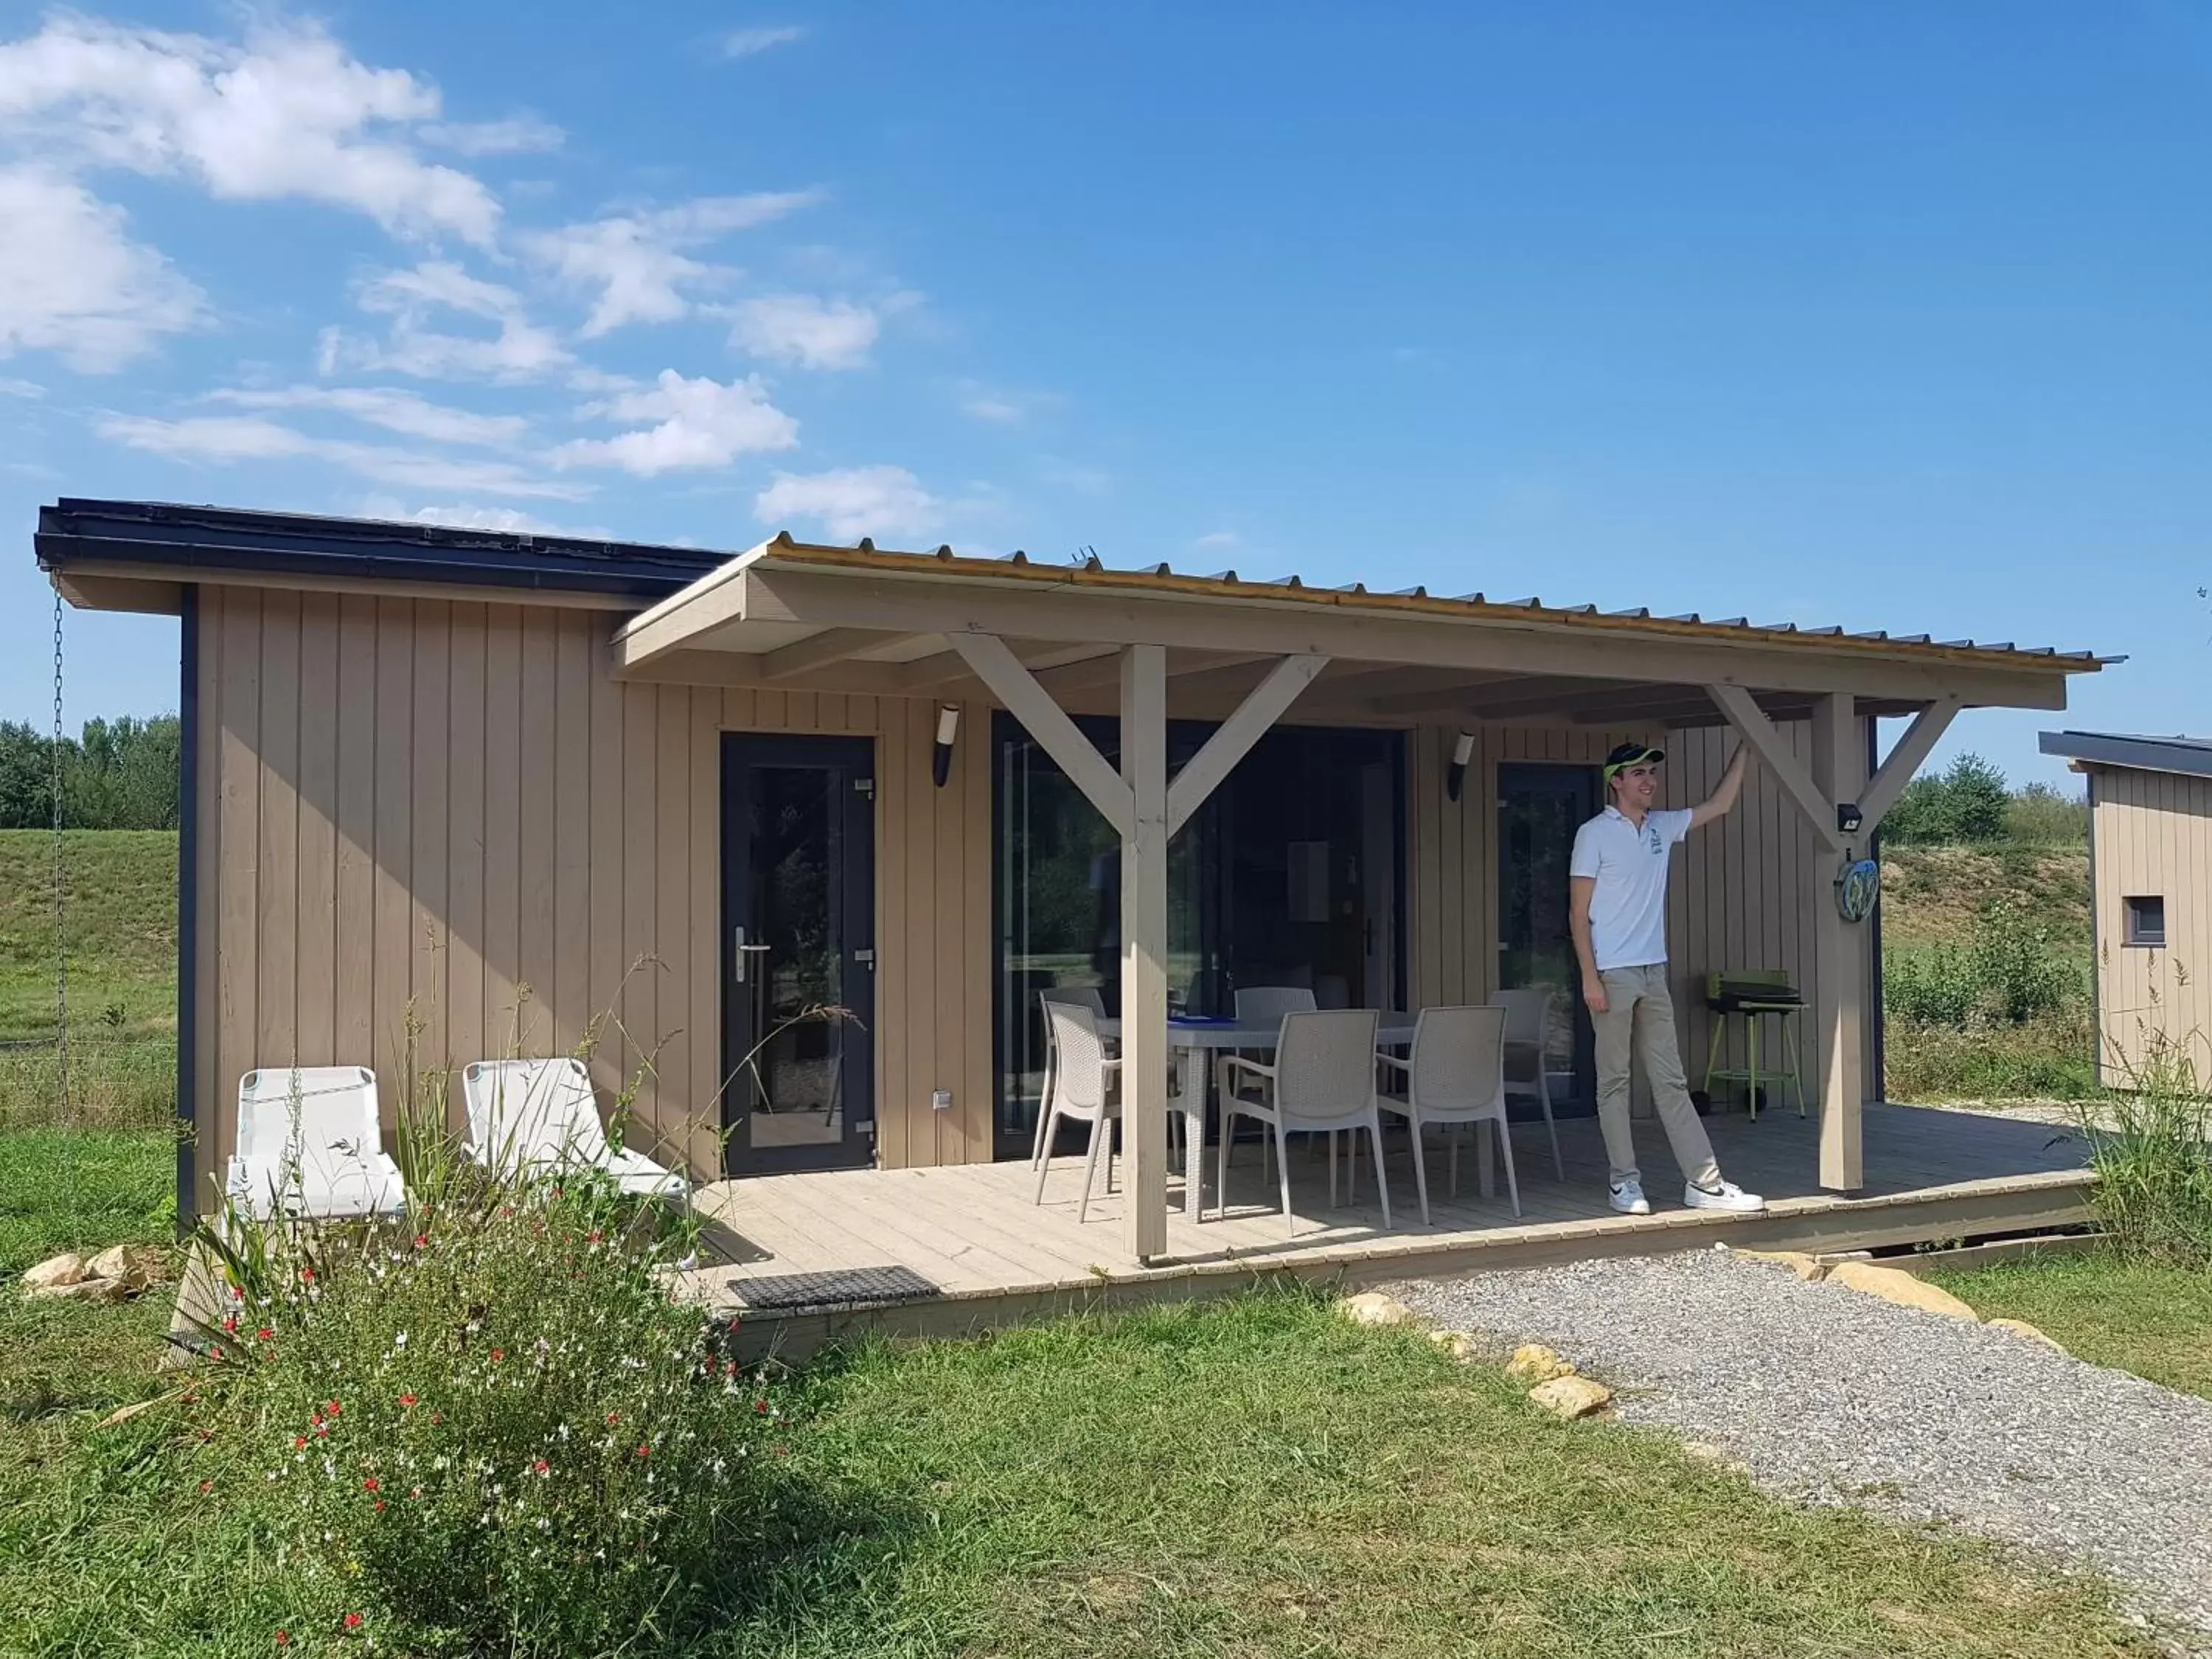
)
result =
(120, 918)
(2147, 1317)
(1249, 1478)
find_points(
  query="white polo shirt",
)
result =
(1628, 906)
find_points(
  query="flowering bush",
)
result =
(485, 1426)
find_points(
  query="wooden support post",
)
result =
(1840, 956)
(1144, 954)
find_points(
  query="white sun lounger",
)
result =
(535, 1116)
(335, 1168)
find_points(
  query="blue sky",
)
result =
(1886, 315)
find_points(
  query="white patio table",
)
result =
(1192, 1040)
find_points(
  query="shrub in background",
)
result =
(1968, 802)
(2009, 969)
(2152, 1149)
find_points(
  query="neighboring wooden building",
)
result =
(2150, 878)
(450, 794)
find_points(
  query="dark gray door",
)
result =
(1540, 807)
(798, 958)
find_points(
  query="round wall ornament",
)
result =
(1858, 885)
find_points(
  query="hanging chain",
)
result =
(60, 937)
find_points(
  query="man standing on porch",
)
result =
(1617, 881)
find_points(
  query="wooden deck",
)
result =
(993, 1257)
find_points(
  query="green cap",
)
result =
(1632, 754)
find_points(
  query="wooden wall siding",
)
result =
(450, 813)
(1739, 898)
(2151, 833)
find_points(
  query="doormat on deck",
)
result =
(841, 1289)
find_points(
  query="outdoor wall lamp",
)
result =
(1849, 817)
(1455, 774)
(940, 758)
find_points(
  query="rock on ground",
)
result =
(1836, 1397)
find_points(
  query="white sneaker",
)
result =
(1721, 1195)
(1628, 1198)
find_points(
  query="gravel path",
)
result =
(1831, 1395)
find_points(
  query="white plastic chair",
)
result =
(532, 1117)
(334, 1167)
(1455, 1074)
(1080, 1093)
(1322, 1080)
(1269, 1002)
(1529, 1012)
(1083, 996)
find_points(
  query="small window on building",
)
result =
(2146, 921)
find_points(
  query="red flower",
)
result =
(238, 1293)
(369, 1485)
(407, 1399)
(595, 1235)
(332, 1408)
(498, 1354)
(206, 1486)
(353, 1621)
(283, 1639)
(322, 1429)
(266, 1334)
(614, 1417)
(299, 1441)
(421, 1241)
(215, 1352)
(306, 1275)
(645, 1451)
(437, 1417)
(230, 1323)
(540, 1467)
(380, 1506)
(759, 1406)
(507, 1209)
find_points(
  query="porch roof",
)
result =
(865, 618)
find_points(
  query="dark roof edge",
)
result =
(74, 531)
(2188, 756)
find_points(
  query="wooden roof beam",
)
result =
(831, 645)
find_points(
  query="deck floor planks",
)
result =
(973, 1230)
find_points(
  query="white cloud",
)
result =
(521, 349)
(1218, 540)
(751, 43)
(1002, 407)
(637, 261)
(291, 115)
(461, 515)
(10, 387)
(852, 502)
(224, 438)
(394, 410)
(699, 424)
(521, 135)
(801, 329)
(73, 283)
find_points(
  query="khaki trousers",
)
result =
(1639, 1023)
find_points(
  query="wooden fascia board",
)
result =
(114, 573)
(952, 606)
(124, 593)
(1537, 694)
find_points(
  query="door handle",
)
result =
(739, 950)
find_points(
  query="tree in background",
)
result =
(1969, 803)
(119, 774)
